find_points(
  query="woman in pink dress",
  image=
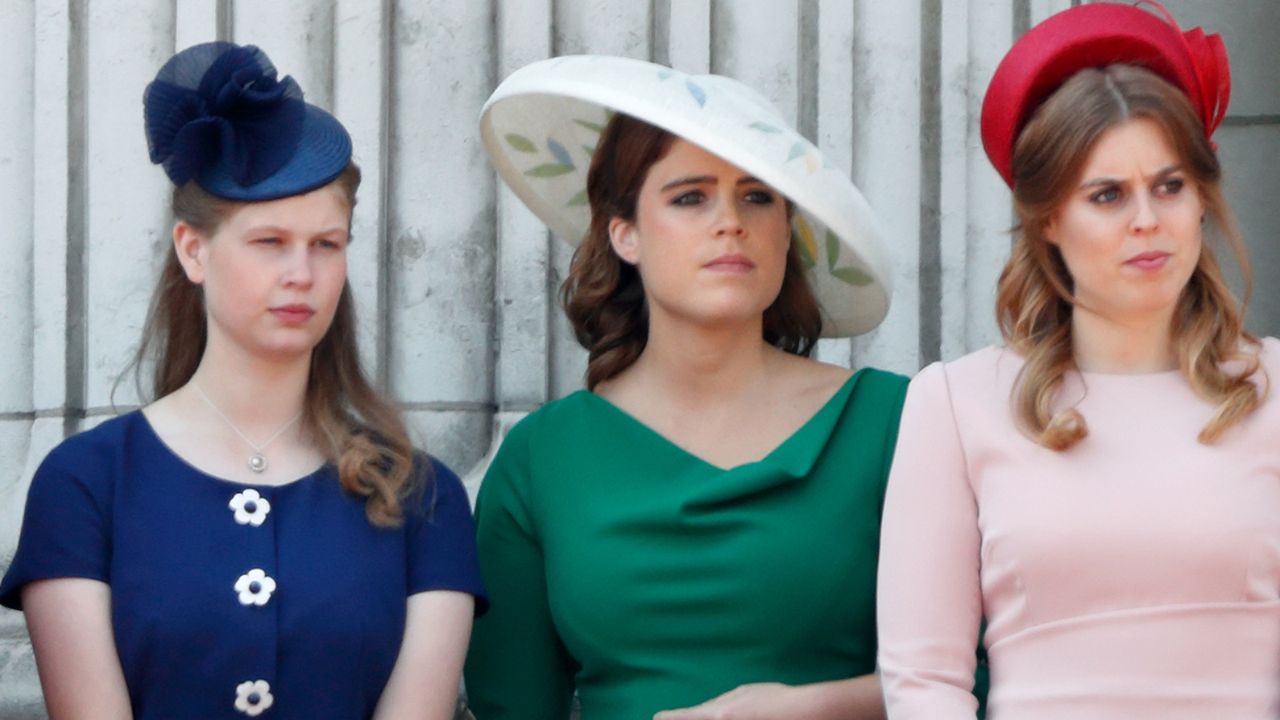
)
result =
(1105, 488)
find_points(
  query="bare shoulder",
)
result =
(619, 389)
(810, 381)
(165, 416)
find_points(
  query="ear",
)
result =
(1050, 230)
(189, 245)
(623, 238)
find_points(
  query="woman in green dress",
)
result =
(694, 535)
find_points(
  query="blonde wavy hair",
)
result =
(1034, 298)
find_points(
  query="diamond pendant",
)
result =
(257, 463)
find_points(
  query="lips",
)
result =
(293, 314)
(731, 263)
(1153, 260)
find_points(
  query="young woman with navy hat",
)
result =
(1104, 488)
(261, 540)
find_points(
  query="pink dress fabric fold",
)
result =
(1135, 576)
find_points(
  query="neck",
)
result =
(1133, 345)
(253, 392)
(690, 363)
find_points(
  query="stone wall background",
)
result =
(454, 279)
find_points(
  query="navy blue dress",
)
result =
(231, 600)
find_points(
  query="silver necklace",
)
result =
(257, 461)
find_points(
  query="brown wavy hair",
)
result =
(603, 295)
(355, 428)
(1035, 297)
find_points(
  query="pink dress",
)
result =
(1133, 577)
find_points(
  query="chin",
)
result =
(738, 303)
(730, 318)
(1147, 305)
(286, 351)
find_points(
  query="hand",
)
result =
(757, 701)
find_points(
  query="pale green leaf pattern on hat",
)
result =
(594, 127)
(562, 165)
(521, 143)
(847, 275)
(764, 127)
(547, 170)
(797, 149)
(852, 276)
(578, 200)
(561, 162)
(665, 73)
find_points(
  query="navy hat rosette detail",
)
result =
(217, 114)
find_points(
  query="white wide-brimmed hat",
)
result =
(542, 124)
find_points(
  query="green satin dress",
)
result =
(645, 578)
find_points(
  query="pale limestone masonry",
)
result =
(454, 278)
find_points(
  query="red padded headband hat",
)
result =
(1096, 35)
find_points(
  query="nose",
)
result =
(729, 220)
(1144, 218)
(298, 271)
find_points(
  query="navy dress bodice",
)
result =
(232, 600)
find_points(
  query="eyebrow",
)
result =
(281, 230)
(1101, 181)
(707, 179)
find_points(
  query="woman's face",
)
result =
(272, 272)
(710, 242)
(1129, 231)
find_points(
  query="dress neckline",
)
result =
(154, 436)
(836, 400)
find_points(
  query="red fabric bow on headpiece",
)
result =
(1097, 35)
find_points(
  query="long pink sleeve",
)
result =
(929, 598)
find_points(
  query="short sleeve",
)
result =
(66, 526)
(929, 597)
(517, 668)
(442, 543)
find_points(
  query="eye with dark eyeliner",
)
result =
(1105, 196)
(1171, 186)
(759, 196)
(690, 198)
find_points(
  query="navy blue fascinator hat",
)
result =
(217, 114)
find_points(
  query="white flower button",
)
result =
(250, 507)
(253, 697)
(255, 587)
